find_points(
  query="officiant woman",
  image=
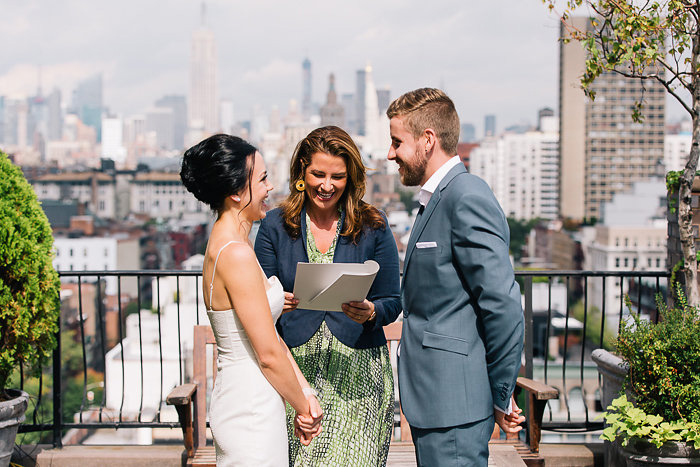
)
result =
(343, 355)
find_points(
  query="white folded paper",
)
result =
(327, 286)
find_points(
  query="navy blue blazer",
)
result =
(279, 254)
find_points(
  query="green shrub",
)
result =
(627, 422)
(664, 361)
(29, 285)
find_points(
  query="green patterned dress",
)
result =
(356, 392)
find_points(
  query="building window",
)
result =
(658, 262)
(634, 263)
(85, 252)
(649, 262)
(106, 252)
(70, 253)
(617, 262)
(627, 262)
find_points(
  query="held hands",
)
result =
(290, 303)
(510, 423)
(360, 312)
(307, 428)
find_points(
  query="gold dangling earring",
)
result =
(300, 185)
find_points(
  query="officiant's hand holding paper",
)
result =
(360, 312)
(290, 302)
(328, 286)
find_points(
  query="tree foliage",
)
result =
(648, 40)
(519, 230)
(29, 285)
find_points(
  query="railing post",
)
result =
(57, 409)
(527, 284)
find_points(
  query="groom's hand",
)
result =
(510, 423)
(308, 427)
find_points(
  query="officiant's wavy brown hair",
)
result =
(336, 142)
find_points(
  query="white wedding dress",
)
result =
(246, 414)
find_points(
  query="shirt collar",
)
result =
(427, 190)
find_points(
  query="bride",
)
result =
(256, 372)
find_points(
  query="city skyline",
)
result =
(491, 59)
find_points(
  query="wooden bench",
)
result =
(190, 401)
(537, 396)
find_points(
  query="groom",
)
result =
(463, 323)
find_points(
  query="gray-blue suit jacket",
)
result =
(462, 333)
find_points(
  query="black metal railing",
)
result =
(125, 341)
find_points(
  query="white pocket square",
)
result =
(426, 245)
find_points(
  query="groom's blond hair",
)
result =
(428, 108)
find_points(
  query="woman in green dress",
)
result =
(343, 355)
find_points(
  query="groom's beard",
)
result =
(413, 171)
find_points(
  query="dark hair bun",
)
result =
(216, 168)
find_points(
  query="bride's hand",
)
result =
(290, 303)
(307, 427)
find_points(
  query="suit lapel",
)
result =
(302, 222)
(422, 221)
(418, 227)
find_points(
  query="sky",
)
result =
(496, 58)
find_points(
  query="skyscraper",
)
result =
(161, 122)
(306, 89)
(522, 170)
(383, 99)
(347, 100)
(203, 80)
(226, 120)
(87, 103)
(603, 151)
(113, 140)
(332, 113)
(55, 115)
(371, 107)
(178, 105)
(360, 92)
(489, 125)
(467, 133)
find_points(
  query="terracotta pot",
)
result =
(641, 453)
(613, 369)
(11, 415)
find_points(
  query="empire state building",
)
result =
(203, 112)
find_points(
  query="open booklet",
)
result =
(327, 286)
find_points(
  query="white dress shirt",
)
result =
(427, 190)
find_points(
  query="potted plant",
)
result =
(657, 420)
(29, 294)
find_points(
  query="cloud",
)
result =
(22, 80)
(492, 57)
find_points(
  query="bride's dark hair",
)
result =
(219, 166)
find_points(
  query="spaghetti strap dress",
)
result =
(246, 414)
